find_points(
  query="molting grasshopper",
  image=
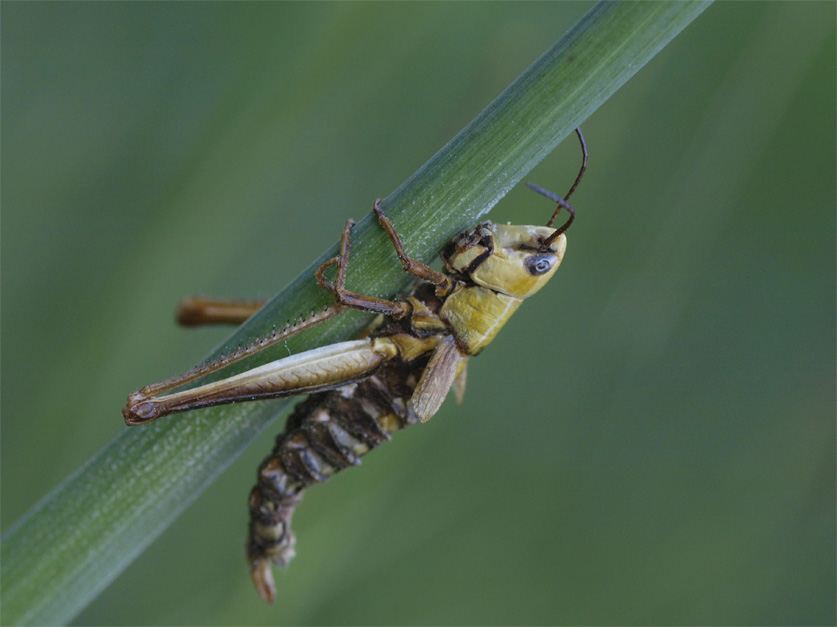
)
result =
(398, 373)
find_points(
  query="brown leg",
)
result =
(344, 297)
(200, 310)
(440, 280)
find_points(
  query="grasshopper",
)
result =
(396, 374)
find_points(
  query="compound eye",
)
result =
(537, 265)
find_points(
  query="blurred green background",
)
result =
(650, 441)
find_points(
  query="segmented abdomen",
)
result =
(326, 433)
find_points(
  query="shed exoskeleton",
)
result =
(363, 390)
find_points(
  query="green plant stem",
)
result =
(62, 553)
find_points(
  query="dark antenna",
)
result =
(562, 202)
(581, 171)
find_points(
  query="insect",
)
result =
(361, 391)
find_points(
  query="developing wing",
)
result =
(437, 379)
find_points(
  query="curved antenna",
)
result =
(562, 202)
(583, 166)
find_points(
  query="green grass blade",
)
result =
(59, 556)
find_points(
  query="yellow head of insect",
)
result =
(511, 260)
(514, 260)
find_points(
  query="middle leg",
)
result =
(442, 281)
(347, 298)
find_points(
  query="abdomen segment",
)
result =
(326, 433)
